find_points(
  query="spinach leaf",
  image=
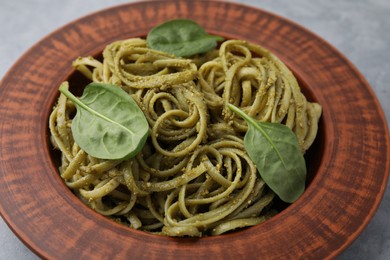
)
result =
(276, 153)
(108, 123)
(181, 37)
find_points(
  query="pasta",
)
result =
(193, 176)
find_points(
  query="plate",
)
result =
(348, 164)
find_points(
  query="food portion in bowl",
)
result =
(180, 136)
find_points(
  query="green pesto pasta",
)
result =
(193, 176)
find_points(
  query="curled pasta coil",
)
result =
(227, 193)
(178, 118)
(129, 63)
(252, 78)
(193, 176)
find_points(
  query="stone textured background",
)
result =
(360, 29)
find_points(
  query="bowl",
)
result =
(348, 164)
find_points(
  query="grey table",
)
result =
(359, 29)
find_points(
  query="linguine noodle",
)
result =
(193, 176)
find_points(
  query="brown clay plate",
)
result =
(348, 164)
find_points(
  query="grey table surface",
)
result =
(359, 29)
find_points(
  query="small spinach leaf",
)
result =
(276, 153)
(181, 37)
(108, 123)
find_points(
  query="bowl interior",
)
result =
(313, 156)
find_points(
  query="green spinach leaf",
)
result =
(181, 37)
(276, 153)
(108, 123)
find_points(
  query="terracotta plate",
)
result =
(348, 164)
